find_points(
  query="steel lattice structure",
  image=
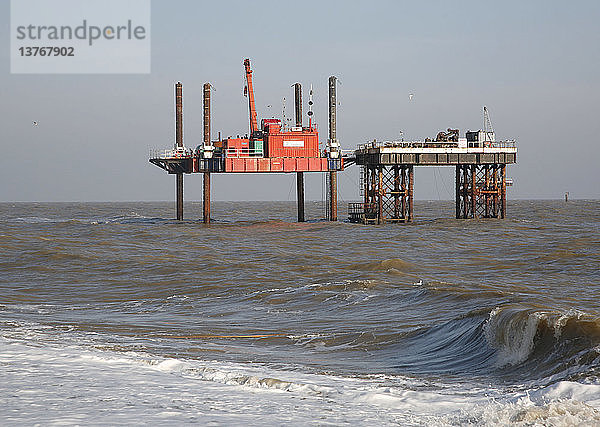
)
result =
(387, 195)
(481, 191)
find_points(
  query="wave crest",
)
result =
(512, 332)
(391, 265)
(553, 340)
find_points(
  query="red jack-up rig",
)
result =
(272, 148)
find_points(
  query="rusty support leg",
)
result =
(367, 193)
(457, 195)
(473, 191)
(404, 193)
(206, 109)
(300, 195)
(492, 188)
(465, 191)
(333, 145)
(503, 196)
(333, 196)
(498, 185)
(365, 172)
(179, 143)
(206, 198)
(207, 143)
(370, 187)
(411, 178)
(380, 195)
(372, 198)
(179, 115)
(179, 192)
(487, 188)
(374, 180)
(396, 192)
(468, 192)
(299, 175)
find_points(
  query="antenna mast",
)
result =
(283, 123)
(310, 104)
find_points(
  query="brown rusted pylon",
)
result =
(179, 144)
(388, 194)
(207, 142)
(481, 191)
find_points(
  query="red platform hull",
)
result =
(276, 164)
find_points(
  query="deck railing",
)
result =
(433, 144)
(171, 154)
(244, 152)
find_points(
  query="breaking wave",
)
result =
(556, 344)
(509, 341)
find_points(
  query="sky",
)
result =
(534, 64)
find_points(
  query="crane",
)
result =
(487, 126)
(250, 91)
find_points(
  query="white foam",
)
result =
(58, 384)
(171, 365)
(562, 404)
(568, 390)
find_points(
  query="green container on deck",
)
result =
(258, 148)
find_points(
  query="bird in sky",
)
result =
(35, 123)
(410, 96)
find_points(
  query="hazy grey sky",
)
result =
(535, 64)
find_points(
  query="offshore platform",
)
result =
(387, 174)
(272, 148)
(387, 167)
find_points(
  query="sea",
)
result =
(116, 314)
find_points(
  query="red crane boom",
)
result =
(253, 119)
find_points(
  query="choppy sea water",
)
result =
(114, 313)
